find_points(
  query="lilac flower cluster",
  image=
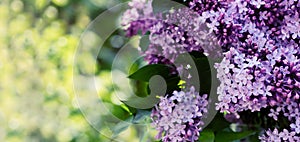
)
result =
(201, 6)
(242, 83)
(260, 41)
(178, 117)
(275, 136)
(261, 69)
(138, 17)
(252, 82)
(171, 34)
(291, 111)
(261, 64)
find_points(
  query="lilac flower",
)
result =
(276, 136)
(291, 26)
(129, 16)
(179, 33)
(179, 117)
(206, 5)
(274, 113)
(241, 5)
(296, 126)
(263, 15)
(235, 76)
(257, 3)
(138, 17)
(271, 136)
(291, 110)
(260, 68)
(286, 135)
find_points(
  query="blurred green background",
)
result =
(38, 39)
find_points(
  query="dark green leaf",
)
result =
(207, 135)
(204, 73)
(172, 84)
(146, 72)
(196, 54)
(218, 123)
(254, 138)
(225, 136)
(202, 64)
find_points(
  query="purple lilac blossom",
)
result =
(276, 136)
(242, 83)
(179, 31)
(139, 17)
(270, 41)
(201, 6)
(178, 117)
(260, 40)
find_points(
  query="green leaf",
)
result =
(225, 136)
(140, 88)
(218, 123)
(207, 135)
(120, 112)
(196, 54)
(140, 62)
(128, 108)
(172, 84)
(202, 64)
(204, 73)
(254, 138)
(146, 72)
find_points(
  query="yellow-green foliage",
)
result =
(38, 39)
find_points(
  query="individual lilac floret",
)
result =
(275, 136)
(178, 117)
(296, 126)
(274, 113)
